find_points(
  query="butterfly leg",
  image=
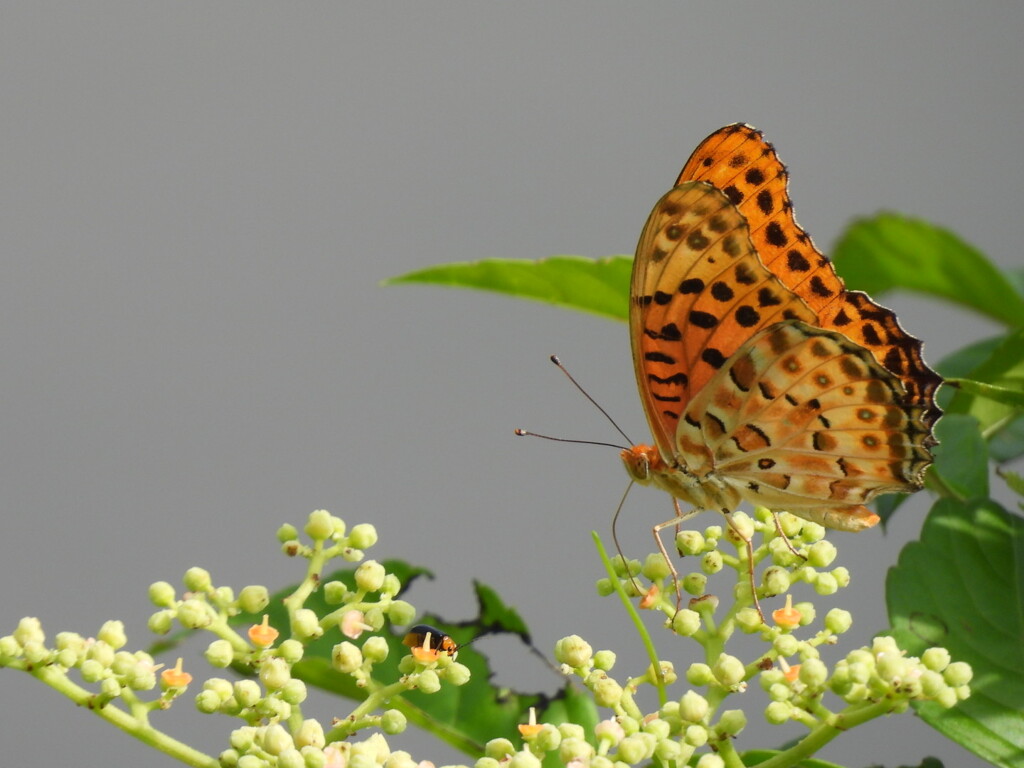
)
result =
(785, 538)
(676, 521)
(750, 564)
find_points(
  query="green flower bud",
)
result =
(499, 749)
(776, 581)
(811, 532)
(821, 554)
(428, 681)
(667, 670)
(346, 657)
(630, 725)
(161, 594)
(668, 752)
(105, 655)
(686, 622)
(160, 623)
(251, 761)
(293, 692)
(547, 739)
(363, 536)
(524, 759)
(219, 686)
(885, 645)
(780, 692)
(229, 758)
(749, 620)
(402, 759)
(287, 532)
(842, 577)
(655, 567)
(253, 598)
(728, 670)
(456, 674)
(786, 645)
(29, 630)
(194, 614)
(958, 673)
(483, 762)
(705, 605)
(890, 667)
(219, 654)
(807, 613)
(573, 748)
(813, 673)
(607, 693)
(110, 688)
(604, 587)
(936, 659)
(197, 580)
(693, 707)
(732, 722)
(777, 712)
(243, 738)
(392, 721)
(276, 739)
(370, 576)
(306, 625)
(695, 583)
(335, 592)
(699, 674)
(92, 671)
(401, 612)
(574, 651)
(207, 702)
(742, 526)
(604, 660)
(712, 562)
(66, 658)
(600, 761)
(710, 760)
(291, 651)
(947, 698)
(696, 735)
(310, 734)
(633, 750)
(291, 758)
(658, 728)
(838, 621)
(374, 617)
(247, 693)
(375, 649)
(826, 583)
(320, 525)
(223, 597)
(141, 678)
(274, 673)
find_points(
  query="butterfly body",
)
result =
(762, 378)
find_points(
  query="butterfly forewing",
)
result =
(699, 290)
(739, 161)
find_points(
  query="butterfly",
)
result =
(763, 379)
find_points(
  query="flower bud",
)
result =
(821, 554)
(947, 698)
(276, 739)
(161, 594)
(160, 623)
(320, 525)
(786, 645)
(247, 692)
(742, 527)
(370, 576)
(689, 543)
(604, 587)
(574, 748)
(291, 650)
(604, 660)
(699, 674)
(291, 758)
(826, 583)
(728, 670)
(813, 673)
(776, 580)
(401, 612)
(633, 750)
(194, 614)
(655, 567)
(207, 702)
(712, 562)
(293, 691)
(375, 649)
(363, 536)
(253, 598)
(732, 722)
(29, 630)
(838, 621)
(607, 693)
(523, 759)
(574, 651)
(346, 657)
(693, 707)
(428, 681)
(842, 576)
(710, 760)
(306, 625)
(456, 674)
(749, 620)
(695, 583)
(957, 674)
(499, 749)
(686, 622)
(668, 752)
(197, 580)
(777, 712)
(807, 613)
(219, 654)
(392, 721)
(936, 659)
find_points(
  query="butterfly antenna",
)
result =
(615, 538)
(562, 368)
(528, 433)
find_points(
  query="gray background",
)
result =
(199, 199)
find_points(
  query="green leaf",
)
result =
(997, 394)
(890, 252)
(600, 286)
(962, 587)
(961, 457)
(1008, 443)
(755, 757)
(1004, 368)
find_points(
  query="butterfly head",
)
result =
(642, 462)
